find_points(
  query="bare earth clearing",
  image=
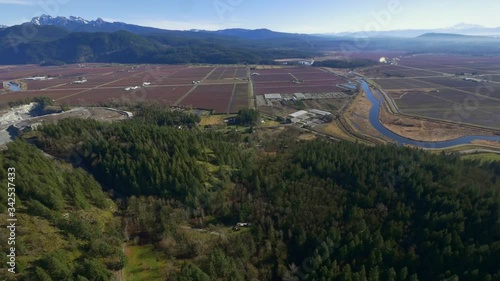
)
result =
(426, 130)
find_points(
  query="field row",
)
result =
(295, 80)
(217, 97)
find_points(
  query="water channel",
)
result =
(400, 140)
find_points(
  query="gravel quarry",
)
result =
(22, 116)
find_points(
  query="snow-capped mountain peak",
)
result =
(64, 22)
(465, 26)
(78, 19)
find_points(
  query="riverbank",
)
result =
(375, 112)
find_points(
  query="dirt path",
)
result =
(231, 100)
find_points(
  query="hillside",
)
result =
(51, 44)
(316, 210)
(66, 227)
(57, 40)
(78, 24)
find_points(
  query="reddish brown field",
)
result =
(273, 77)
(240, 98)
(450, 82)
(93, 97)
(217, 73)
(216, 97)
(52, 83)
(54, 94)
(165, 94)
(197, 73)
(313, 80)
(169, 84)
(241, 72)
(297, 89)
(406, 83)
(443, 94)
(229, 73)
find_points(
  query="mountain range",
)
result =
(78, 24)
(461, 29)
(56, 40)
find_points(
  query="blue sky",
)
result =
(304, 16)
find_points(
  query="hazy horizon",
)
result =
(286, 16)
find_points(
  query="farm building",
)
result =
(81, 81)
(306, 62)
(319, 112)
(311, 118)
(299, 96)
(298, 114)
(36, 78)
(272, 96)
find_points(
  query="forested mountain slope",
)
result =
(317, 210)
(65, 227)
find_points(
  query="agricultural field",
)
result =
(453, 88)
(295, 80)
(223, 89)
(217, 97)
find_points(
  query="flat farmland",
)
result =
(440, 94)
(241, 72)
(298, 89)
(449, 82)
(280, 81)
(452, 64)
(174, 81)
(165, 94)
(105, 84)
(53, 94)
(476, 117)
(216, 74)
(216, 97)
(77, 72)
(93, 82)
(273, 77)
(95, 97)
(403, 83)
(385, 71)
(492, 91)
(422, 101)
(240, 98)
(494, 78)
(169, 84)
(450, 105)
(195, 72)
(51, 83)
(130, 81)
(316, 76)
(229, 73)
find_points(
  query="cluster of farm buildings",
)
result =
(310, 117)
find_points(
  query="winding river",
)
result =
(400, 140)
